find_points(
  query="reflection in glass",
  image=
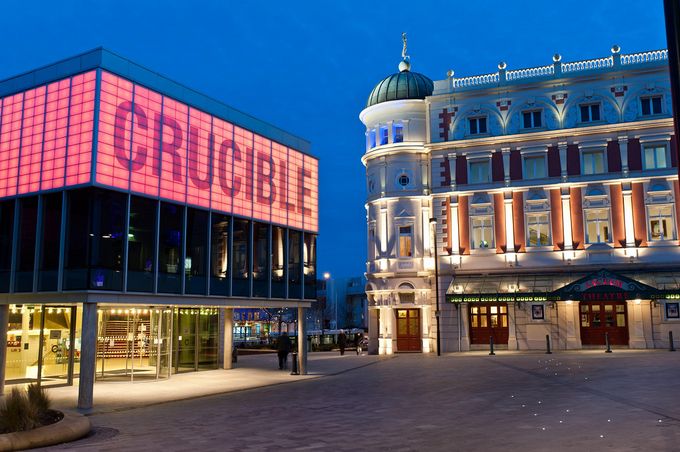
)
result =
(28, 217)
(6, 231)
(260, 260)
(310, 266)
(219, 257)
(77, 240)
(170, 248)
(141, 245)
(196, 256)
(48, 264)
(278, 262)
(294, 260)
(106, 240)
(241, 259)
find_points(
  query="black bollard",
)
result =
(295, 364)
(547, 344)
(670, 341)
(606, 341)
(491, 346)
(234, 355)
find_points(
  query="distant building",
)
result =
(554, 197)
(343, 302)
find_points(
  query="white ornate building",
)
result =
(551, 194)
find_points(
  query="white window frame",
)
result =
(590, 119)
(532, 118)
(397, 126)
(477, 118)
(671, 219)
(380, 137)
(594, 150)
(651, 104)
(645, 146)
(472, 161)
(534, 155)
(490, 245)
(610, 238)
(549, 226)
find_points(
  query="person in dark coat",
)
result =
(358, 342)
(342, 342)
(282, 349)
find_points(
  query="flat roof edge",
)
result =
(112, 62)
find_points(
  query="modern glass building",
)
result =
(135, 215)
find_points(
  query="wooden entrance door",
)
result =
(408, 330)
(489, 320)
(599, 317)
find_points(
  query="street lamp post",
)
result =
(433, 222)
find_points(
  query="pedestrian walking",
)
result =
(358, 340)
(342, 342)
(282, 349)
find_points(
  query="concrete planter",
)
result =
(72, 427)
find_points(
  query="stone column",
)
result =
(426, 334)
(88, 356)
(639, 322)
(373, 331)
(463, 310)
(453, 226)
(228, 338)
(452, 169)
(568, 324)
(512, 327)
(302, 341)
(509, 224)
(4, 325)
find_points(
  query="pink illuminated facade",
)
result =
(135, 215)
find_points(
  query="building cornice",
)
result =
(570, 135)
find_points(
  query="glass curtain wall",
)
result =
(294, 264)
(77, 240)
(141, 245)
(25, 257)
(170, 248)
(109, 209)
(196, 252)
(50, 233)
(278, 263)
(310, 266)
(261, 260)
(241, 259)
(6, 232)
(219, 257)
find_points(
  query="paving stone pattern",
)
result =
(626, 401)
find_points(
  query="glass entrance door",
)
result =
(43, 345)
(600, 317)
(489, 320)
(133, 344)
(196, 339)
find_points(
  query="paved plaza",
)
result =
(585, 400)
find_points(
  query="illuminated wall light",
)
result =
(570, 301)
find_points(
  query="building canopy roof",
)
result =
(562, 286)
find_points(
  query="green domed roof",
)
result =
(402, 85)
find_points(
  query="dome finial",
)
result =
(405, 64)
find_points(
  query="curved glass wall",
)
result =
(134, 344)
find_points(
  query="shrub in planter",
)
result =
(26, 410)
(17, 414)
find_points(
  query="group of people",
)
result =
(284, 346)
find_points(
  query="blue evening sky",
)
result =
(308, 66)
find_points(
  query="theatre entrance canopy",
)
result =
(551, 287)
